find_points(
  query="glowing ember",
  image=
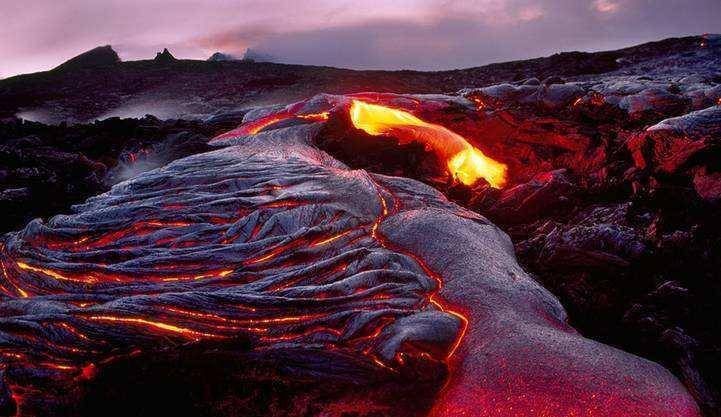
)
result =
(480, 104)
(466, 163)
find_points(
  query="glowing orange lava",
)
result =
(330, 239)
(315, 116)
(192, 334)
(53, 274)
(466, 163)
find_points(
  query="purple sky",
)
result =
(37, 35)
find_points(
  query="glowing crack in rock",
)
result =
(274, 243)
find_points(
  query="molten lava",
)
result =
(466, 163)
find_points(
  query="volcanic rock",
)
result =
(553, 80)
(707, 184)
(596, 238)
(58, 166)
(545, 194)
(102, 56)
(672, 143)
(164, 57)
(652, 100)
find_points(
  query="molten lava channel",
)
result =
(465, 163)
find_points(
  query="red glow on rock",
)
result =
(89, 371)
(480, 104)
(434, 297)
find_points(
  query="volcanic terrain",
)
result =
(293, 241)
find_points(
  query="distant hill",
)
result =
(164, 56)
(101, 56)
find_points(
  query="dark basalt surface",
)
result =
(612, 205)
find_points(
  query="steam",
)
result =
(126, 170)
(38, 115)
(162, 110)
(132, 163)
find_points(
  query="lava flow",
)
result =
(148, 266)
(256, 126)
(465, 163)
(273, 251)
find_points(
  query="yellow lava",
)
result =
(471, 164)
(466, 163)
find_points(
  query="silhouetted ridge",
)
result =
(98, 57)
(165, 56)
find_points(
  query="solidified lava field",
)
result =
(355, 254)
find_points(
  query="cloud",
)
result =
(606, 6)
(530, 13)
(422, 34)
(464, 34)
